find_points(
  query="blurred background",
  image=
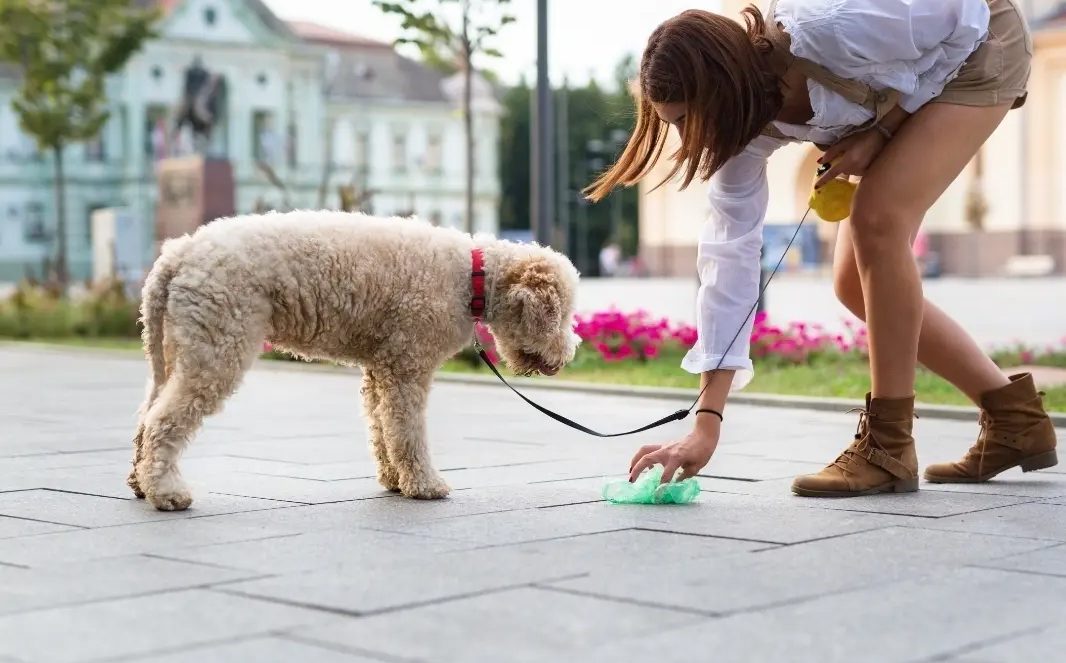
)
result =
(123, 122)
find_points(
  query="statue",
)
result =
(202, 103)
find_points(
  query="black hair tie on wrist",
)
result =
(710, 411)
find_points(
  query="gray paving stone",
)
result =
(127, 627)
(518, 625)
(398, 581)
(1047, 561)
(397, 513)
(735, 466)
(1044, 643)
(93, 511)
(22, 590)
(1033, 484)
(926, 503)
(259, 650)
(395, 583)
(521, 530)
(518, 526)
(11, 528)
(303, 491)
(154, 537)
(799, 572)
(714, 514)
(919, 619)
(348, 550)
(1032, 520)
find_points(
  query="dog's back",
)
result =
(322, 277)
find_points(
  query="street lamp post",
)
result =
(543, 177)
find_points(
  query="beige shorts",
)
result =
(998, 71)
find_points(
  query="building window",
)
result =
(265, 143)
(399, 152)
(210, 15)
(96, 149)
(432, 162)
(33, 228)
(362, 152)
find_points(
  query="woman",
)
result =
(901, 93)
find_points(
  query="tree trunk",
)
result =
(62, 273)
(468, 119)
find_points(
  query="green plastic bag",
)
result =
(647, 490)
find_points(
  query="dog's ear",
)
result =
(536, 291)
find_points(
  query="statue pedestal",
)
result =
(193, 191)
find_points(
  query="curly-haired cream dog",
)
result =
(391, 295)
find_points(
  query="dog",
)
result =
(394, 296)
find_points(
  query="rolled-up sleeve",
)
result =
(728, 262)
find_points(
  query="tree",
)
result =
(595, 118)
(439, 41)
(65, 51)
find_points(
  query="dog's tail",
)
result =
(154, 297)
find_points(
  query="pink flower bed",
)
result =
(618, 336)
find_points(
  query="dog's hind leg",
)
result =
(206, 371)
(403, 417)
(387, 474)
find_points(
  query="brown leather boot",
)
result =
(1015, 430)
(880, 460)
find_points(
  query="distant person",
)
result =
(899, 92)
(610, 259)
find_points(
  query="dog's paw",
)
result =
(134, 484)
(389, 479)
(167, 492)
(425, 488)
(178, 501)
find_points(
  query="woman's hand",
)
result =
(689, 454)
(852, 155)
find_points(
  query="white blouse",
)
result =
(913, 46)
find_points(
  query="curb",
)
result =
(814, 403)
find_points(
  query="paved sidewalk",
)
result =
(292, 553)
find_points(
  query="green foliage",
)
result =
(593, 114)
(65, 51)
(429, 30)
(35, 312)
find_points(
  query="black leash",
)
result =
(676, 416)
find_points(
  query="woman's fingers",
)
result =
(840, 167)
(644, 463)
(670, 466)
(643, 451)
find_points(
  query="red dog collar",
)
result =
(477, 283)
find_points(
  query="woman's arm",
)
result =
(729, 268)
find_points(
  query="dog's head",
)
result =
(533, 313)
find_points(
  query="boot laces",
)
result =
(862, 429)
(984, 419)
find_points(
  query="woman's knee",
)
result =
(848, 287)
(877, 228)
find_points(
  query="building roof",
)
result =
(364, 68)
(257, 7)
(322, 34)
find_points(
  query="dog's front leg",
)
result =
(403, 416)
(388, 477)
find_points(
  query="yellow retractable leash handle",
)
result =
(833, 201)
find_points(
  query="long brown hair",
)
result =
(722, 74)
